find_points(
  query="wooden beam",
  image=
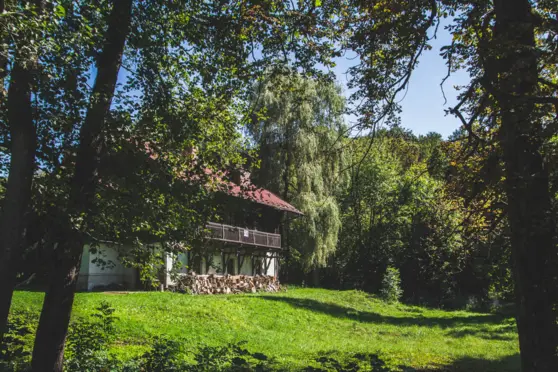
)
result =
(241, 261)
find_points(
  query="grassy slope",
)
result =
(297, 325)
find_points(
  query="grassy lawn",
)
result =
(297, 326)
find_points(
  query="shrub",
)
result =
(168, 356)
(352, 363)
(88, 340)
(165, 356)
(391, 286)
(231, 357)
(15, 351)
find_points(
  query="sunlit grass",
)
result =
(297, 326)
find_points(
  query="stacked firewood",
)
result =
(215, 284)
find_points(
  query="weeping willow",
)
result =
(299, 132)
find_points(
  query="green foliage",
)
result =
(88, 340)
(396, 212)
(299, 135)
(16, 349)
(165, 355)
(352, 363)
(391, 286)
(231, 357)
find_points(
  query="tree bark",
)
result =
(514, 81)
(48, 351)
(23, 145)
(18, 191)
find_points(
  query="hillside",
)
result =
(298, 326)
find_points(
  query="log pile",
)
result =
(225, 284)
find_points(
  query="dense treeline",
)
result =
(401, 201)
(432, 208)
(401, 210)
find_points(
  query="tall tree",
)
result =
(509, 49)
(512, 77)
(48, 351)
(300, 138)
(22, 144)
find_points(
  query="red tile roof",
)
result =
(253, 193)
(262, 196)
(248, 190)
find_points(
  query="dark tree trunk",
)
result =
(18, 192)
(316, 277)
(48, 351)
(514, 80)
(23, 145)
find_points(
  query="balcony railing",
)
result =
(239, 235)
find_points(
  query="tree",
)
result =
(22, 143)
(299, 137)
(48, 351)
(395, 212)
(508, 47)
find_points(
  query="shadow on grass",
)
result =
(508, 364)
(351, 362)
(500, 334)
(371, 317)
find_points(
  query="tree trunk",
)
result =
(527, 184)
(18, 191)
(23, 145)
(316, 277)
(48, 351)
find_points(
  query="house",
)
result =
(246, 241)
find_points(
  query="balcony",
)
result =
(239, 235)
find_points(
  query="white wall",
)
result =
(92, 275)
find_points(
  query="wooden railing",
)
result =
(239, 235)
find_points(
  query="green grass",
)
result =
(296, 326)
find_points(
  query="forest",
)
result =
(116, 114)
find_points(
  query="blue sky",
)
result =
(423, 104)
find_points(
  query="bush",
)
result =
(391, 286)
(353, 363)
(88, 341)
(168, 356)
(15, 351)
(231, 357)
(165, 356)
